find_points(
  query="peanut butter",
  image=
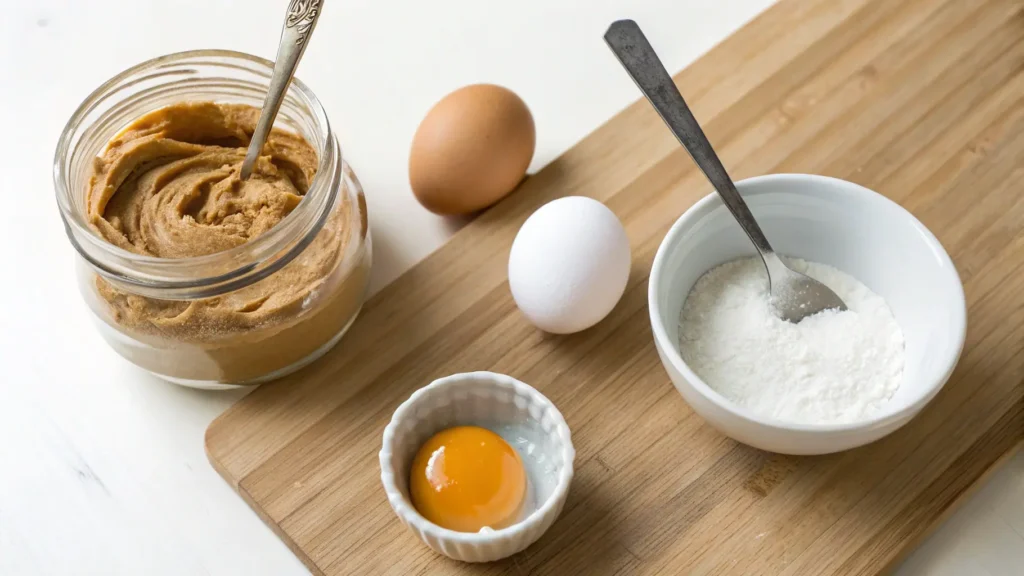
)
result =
(168, 186)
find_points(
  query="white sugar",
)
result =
(831, 367)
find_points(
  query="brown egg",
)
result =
(471, 149)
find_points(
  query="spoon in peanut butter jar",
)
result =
(298, 27)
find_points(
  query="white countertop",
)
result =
(102, 469)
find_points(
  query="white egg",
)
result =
(569, 264)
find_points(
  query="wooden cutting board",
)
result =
(922, 100)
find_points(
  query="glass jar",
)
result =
(154, 311)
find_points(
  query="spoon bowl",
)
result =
(794, 295)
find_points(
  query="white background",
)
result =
(102, 469)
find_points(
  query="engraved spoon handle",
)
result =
(637, 56)
(298, 27)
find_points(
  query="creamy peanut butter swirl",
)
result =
(168, 186)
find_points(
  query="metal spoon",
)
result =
(794, 296)
(298, 27)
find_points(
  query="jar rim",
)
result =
(257, 258)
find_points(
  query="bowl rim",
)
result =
(670, 351)
(403, 506)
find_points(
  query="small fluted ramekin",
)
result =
(475, 398)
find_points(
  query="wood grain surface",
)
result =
(922, 100)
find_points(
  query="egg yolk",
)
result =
(466, 478)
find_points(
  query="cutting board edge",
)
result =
(236, 485)
(911, 545)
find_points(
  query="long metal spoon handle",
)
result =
(637, 56)
(298, 27)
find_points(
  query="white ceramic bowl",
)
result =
(834, 222)
(493, 401)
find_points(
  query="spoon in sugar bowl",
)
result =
(299, 22)
(794, 296)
